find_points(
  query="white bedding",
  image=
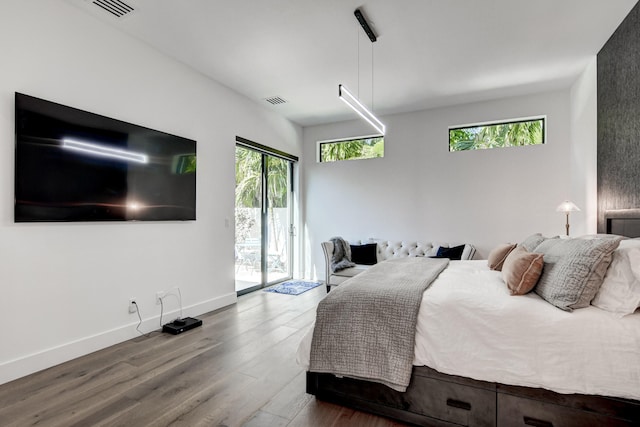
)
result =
(470, 325)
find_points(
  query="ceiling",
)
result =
(429, 53)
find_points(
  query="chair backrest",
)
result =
(327, 248)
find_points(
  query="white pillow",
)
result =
(620, 290)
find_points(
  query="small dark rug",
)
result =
(292, 287)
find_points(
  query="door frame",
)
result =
(264, 240)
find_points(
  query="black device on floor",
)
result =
(178, 326)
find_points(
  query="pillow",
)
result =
(574, 270)
(620, 290)
(521, 270)
(468, 252)
(498, 255)
(364, 254)
(602, 236)
(532, 242)
(454, 253)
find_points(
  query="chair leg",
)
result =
(328, 288)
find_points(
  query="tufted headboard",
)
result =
(399, 249)
(387, 249)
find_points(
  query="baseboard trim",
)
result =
(47, 358)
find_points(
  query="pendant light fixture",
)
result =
(348, 98)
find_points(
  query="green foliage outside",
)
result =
(366, 148)
(249, 179)
(249, 191)
(514, 134)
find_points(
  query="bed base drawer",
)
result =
(451, 402)
(427, 402)
(435, 399)
(515, 411)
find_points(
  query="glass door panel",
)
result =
(278, 219)
(248, 219)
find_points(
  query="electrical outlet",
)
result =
(159, 296)
(132, 305)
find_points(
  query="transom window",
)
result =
(512, 133)
(365, 147)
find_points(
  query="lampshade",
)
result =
(567, 206)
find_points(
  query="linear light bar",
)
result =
(104, 151)
(358, 107)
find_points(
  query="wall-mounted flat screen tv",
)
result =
(73, 165)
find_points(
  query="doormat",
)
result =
(292, 287)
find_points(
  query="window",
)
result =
(513, 133)
(366, 147)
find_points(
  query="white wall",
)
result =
(421, 191)
(65, 287)
(584, 151)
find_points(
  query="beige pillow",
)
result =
(521, 270)
(498, 255)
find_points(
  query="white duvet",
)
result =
(470, 325)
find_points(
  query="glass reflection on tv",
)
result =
(73, 165)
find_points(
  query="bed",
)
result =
(483, 357)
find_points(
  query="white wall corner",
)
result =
(30, 363)
(584, 150)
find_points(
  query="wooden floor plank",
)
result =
(288, 402)
(317, 414)
(265, 419)
(238, 369)
(207, 402)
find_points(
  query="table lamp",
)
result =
(566, 207)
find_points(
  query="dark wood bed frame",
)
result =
(436, 399)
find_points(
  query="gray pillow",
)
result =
(573, 270)
(532, 242)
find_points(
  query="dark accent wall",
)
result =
(619, 119)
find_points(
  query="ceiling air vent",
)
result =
(115, 7)
(275, 100)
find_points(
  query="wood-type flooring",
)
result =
(238, 369)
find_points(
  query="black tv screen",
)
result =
(72, 165)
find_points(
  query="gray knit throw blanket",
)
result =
(341, 258)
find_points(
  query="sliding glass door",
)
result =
(263, 217)
(248, 219)
(279, 224)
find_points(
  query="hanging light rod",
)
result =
(358, 107)
(365, 25)
(347, 97)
